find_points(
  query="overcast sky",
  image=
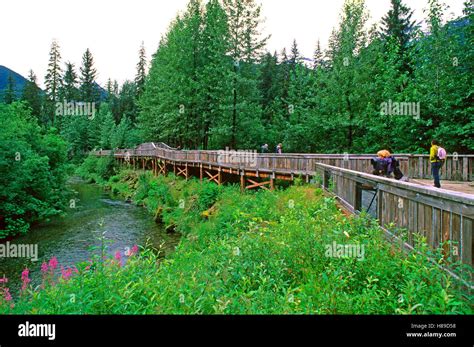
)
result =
(114, 29)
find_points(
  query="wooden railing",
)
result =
(417, 166)
(438, 215)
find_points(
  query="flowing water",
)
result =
(71, 237)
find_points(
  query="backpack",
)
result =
(441, 153)
(380, 166)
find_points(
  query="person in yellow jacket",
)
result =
(436, 163)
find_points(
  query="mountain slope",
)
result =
(20, 81)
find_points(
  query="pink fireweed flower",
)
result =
(118, 257)
(25, 279)
(134, 250)
(66, 273)
(6, 294)
(4, 280)
(44, 268)
(53, 263)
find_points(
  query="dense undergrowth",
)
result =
(254, 253)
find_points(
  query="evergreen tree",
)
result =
(141, 71)
(10, 92)
(32, 95)
(88, 74)
(295, 57)
(318, 57)
(268, 85)
(69, 90)
(126, 102)
(52, 81)
(398, 26)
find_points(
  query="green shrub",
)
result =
(33, 171)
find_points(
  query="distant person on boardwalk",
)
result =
(264, 148)
(385, 164)
(437, 159)
(279, 149)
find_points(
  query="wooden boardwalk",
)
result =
(445, 218)
(455, 186)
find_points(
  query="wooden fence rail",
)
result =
(417, 166)
(438, 215)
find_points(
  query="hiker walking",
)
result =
(279, 149)
(437, 159)
(264, 148)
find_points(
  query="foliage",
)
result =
(33, 167)
(97, 169)
(211, 85)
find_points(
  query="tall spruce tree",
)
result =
(88, 74)
(32, 95)
(69, 88)
(52, 81)
(141, 71)
(318, 57)
(399, 28)
(10, 92)
(295, 57)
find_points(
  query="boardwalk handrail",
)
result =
(439, 215)
(417, 166)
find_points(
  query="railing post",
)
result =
(326, 179)
(358, 197)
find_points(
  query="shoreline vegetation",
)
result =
(253, 253)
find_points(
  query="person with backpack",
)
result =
(381, 164)
(279, 149)
(385, 164)
(437, 159)
(264, 148)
